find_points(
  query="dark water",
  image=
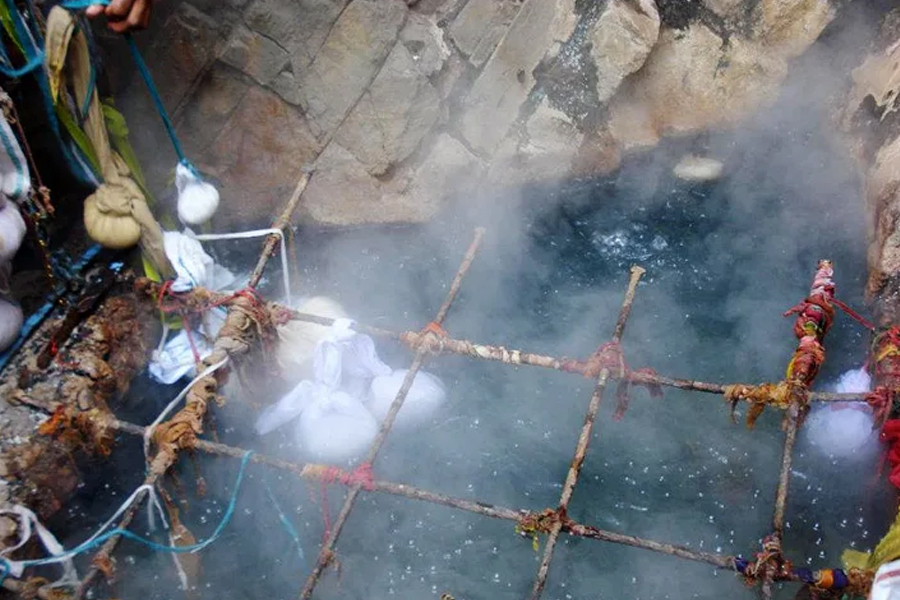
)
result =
(723, 261)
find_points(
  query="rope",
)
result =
(148, 80)
(148, 433)
(97, 541)
(254, 233)
(285, 522)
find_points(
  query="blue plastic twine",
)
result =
(148, 80)
(86, 547)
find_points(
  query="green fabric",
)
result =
(78, 136)
(6, 20)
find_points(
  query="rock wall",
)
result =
(871, 120)
(401, 104)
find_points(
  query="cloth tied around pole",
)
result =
(178, 356)
(116, 215)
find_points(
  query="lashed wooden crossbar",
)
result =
(606, 364)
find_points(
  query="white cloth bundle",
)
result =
(425, 397)
(197, 199)
(176, 359)
(334, 411)
(12, 231)
(15, 180)
(843, 429)
(297, 340)
(10, 323)
(886, 585)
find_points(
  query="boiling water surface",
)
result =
(723, 262)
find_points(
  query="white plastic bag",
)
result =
(194, 267)
(425, 397)
(176, 359)
(10, 323)
(886, 585)
(12, 231)
(197, 200)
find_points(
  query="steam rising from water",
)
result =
(724, 261)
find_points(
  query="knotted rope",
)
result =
(610, 356)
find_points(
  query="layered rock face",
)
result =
(402, 104)
(871, 120)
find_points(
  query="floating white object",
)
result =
(333, 426)
(197, 199)
(425, 397)
(855, 381)
(886, 585)
(843, 429)
(10, 323)
(298, 339)
(12, 231)
(698, 168)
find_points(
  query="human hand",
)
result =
(123, 16)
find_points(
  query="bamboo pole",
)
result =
(583, 441)
(495, 353)
(327, 551)
(225, 347)
(314, 472)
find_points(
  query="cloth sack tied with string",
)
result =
(334, 421)
(15, 187)
(116, 215)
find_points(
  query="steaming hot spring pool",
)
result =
(723, 262)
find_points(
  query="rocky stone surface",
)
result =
(349, 60)
(621, 41)
(386, 89)
(259, 156)
(209, 107)
(393, 116)
(480, 26)
(691, 81)
(493, 104)
(298, 26)
(872, 122)
(255, 55)
(542, 150)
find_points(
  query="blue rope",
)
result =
(86, 547)
(148, 80)
(288, 526)
(32, 43)
(34, 321)
(157, 100)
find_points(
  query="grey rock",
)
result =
(425, 42)
(480, 26)
(255, 55)
(191, 43)
(542, 151)
(347, 63)
(209, 107)
(286, 85)
(493, 104)
(393, 115)
(299, 26)
(622, 39)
